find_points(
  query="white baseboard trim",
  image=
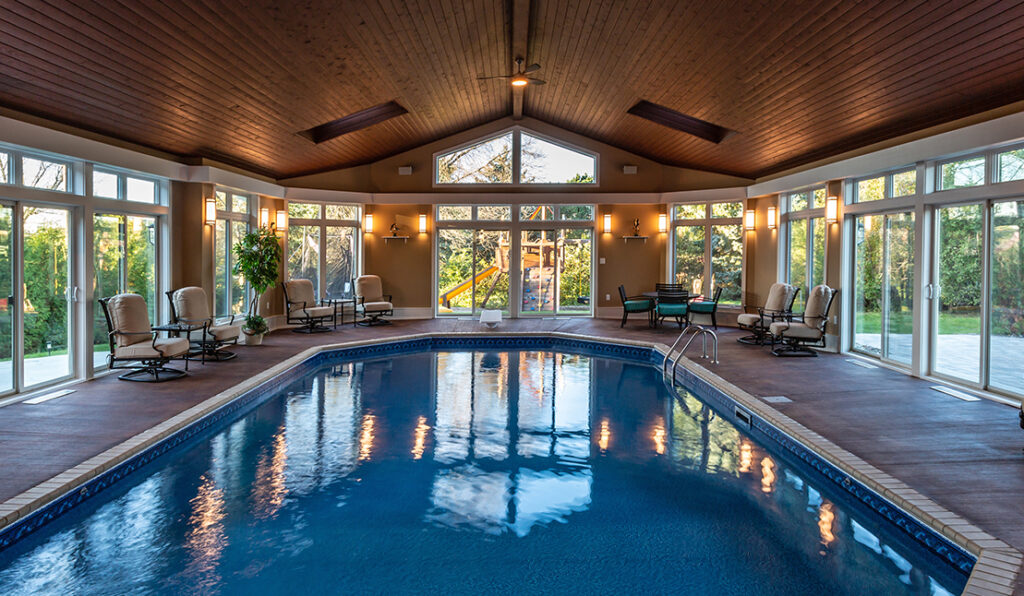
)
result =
(609, 312)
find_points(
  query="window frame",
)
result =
(889, 185)
(323, 222)
(708, 222)
(517, 132)
(229, 216)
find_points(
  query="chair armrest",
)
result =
(389, 297)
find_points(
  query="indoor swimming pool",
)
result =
(469, 471)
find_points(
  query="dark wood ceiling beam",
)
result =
(520, 41)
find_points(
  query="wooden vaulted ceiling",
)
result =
(236, 81)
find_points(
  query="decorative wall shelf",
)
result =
(402, 238)
(626, 239)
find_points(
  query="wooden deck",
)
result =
(966, 456)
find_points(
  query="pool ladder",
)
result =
(700, 330)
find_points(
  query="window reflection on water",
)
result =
(491, 443)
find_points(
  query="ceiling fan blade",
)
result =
(537, 82)
(495, 77)
(532, 68)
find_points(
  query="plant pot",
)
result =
(253, 339)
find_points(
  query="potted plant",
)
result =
(257, 257)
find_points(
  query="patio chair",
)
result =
(301, 307)
(778, 307)
(706, 307)
(132, 340)
(672, 302)
(797, 337)
(191, 309)
(371, 301)
(635, 304)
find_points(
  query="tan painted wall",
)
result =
(382, 176)
(272, 301)
(761, 252)
(632, 263)
(405, 267)
(833, 257)
(191, 239)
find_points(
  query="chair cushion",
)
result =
(225, 332)
(748, 319)
(369, 288)
(299, 291)
(795, 330)
(702, 307)
(128, 313)
(672, 309)
(780, 296)
(190, 304)
(168, 347)
(314, 311)
(636, 305)
(379, 306)
(817, 302)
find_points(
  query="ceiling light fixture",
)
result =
(520, 81)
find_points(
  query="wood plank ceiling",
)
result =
(236, 81)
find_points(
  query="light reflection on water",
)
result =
(422, 453)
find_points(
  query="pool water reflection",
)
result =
(470, 472)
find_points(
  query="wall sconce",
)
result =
(368, 224)
(281, 222)
(264, 217)
(607, 223)
(662, 222)
(423, 224)
(832, 209)
(748, 220)
(210, 211)
(772, 217)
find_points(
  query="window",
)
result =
(108, 184)
(323, 246)
(5, 168)
(48, 175)
(495, 161)
(229, 290)
(486, 162)
(561, 212)
(897, 184)
(546, 162)
(707, 249)
(454, 212)
(962, 173)
(805, 239)
(1011, 165)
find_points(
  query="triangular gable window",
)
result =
(491, 161)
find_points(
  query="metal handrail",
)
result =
(703, 332)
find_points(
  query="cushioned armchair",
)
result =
(778, 307)
(706, 307)
(796, 336)
(191, 309)
(635, 304)
(371, 301)
(135, 346)
(303, 309)
(672, 302)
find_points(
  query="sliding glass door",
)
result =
(46, 301)
(7, 304)
(883, 297)
(557, 269)
(957, 310)
(124, 260)
(1006, 331)
(473, 270)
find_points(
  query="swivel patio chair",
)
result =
(636, 304)
(371, 301)
(797, 337)
(778, 307)
(301, 308)
(132, 340)
(706, 307)
(191, 309)
(672, 302)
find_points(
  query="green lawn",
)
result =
(902, 322)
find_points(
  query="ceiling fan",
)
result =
(519, 78)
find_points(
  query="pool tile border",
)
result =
(994, 571)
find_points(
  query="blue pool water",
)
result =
(471, 472)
